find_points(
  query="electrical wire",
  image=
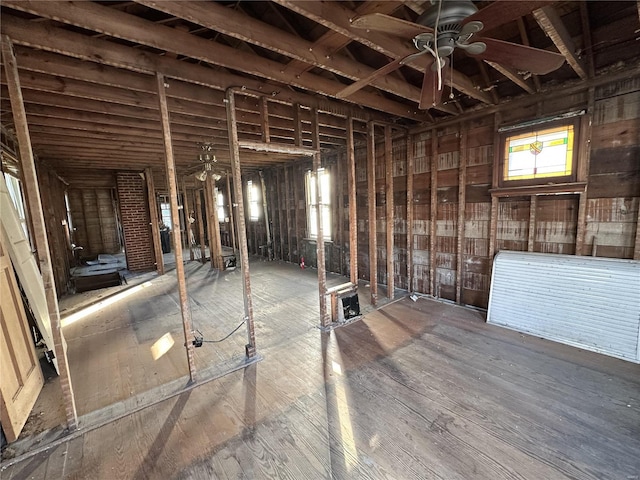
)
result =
(244, 320)
(435, 42)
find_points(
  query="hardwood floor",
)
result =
(415, 390)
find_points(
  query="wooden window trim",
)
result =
(550, 185)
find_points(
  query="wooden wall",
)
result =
(453, 261)
(52, 190)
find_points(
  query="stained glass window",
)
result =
(541, 154)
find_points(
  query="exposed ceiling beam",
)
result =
(102, 19)
(524, 37)
(337, 16)
(243, 27)
(586, 36)
(551, 24)
(332, 42)
(513, 76)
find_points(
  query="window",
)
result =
(165, 211)
(254, 201)
(15, 192)
(539, 156)
(325, 204)
(220, 202)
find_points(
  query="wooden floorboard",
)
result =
(414, 390)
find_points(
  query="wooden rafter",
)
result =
(117, 24)
(552, 25)
(337, 17)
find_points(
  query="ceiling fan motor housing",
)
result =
(452, 13)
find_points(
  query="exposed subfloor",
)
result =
(414, 390)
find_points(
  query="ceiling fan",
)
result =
(454, 24)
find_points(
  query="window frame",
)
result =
(500, 174)
(324, 199)
(253, 203)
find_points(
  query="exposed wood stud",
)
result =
(353, 210)
(187, 218)
(217, 261)
(339, 209)
(208, 207)
(371, 203)
(552, 25)
(154, 225)
(389, 207)
(264, 115)
(200, 219)
(410, 209)
(462, 184)
(434, 213)
(265, 211)
(287, 202)
(493, 219)
(295, 171)
(234, 150)
(584, 159)
(533, 208)
(32, 191)
(279, 174)
(297, 125)
(493, 227)
(232, 215)
(177, 242)
(322, 274)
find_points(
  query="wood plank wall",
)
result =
(541, 224)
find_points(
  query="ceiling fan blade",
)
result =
(389, 24)
(504, 11)
(430, 95)
(521, 57)
(381, 72)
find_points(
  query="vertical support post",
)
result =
(32, 190)
(187, 217)
(265, 210)
(584, 152)
(278, 203)
(200, 218)
(231, 217)
(234, 150)
(410, 214)
(462, 199)
(533, 208)
(388, 168)
(177, 242)
(287, 203)
(433, 213)
(319, 200)
(155, 227)
(371, 200)
(353, 210)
